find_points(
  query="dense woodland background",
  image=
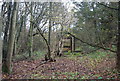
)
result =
(33, 35)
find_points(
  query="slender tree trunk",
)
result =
(49, 34)
(73, 44)
(97, 37)
(17, 36)
(60, 42)
(11, 38)
(118, 44)
(24, 21)
(5, 39)
(15, 48)
(1, 47)
(46, 57)
(31, 34)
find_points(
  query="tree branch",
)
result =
(108, 6)
(90, 44)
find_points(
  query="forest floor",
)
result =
(68, 67)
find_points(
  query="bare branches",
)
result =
(108, 6)
(40, 28)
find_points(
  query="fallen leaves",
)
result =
(64, 68)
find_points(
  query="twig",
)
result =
(40, 65)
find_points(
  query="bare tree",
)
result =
(31, 32)
(11, 38)
(5, 38)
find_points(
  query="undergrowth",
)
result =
(35, 55)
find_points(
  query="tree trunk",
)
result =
(17, 36)
(49, 34)
(73, 44)
(118, 44)
(46, 56)
(15, 48)
(31, 34)
(5, 39)
(11, 38)
(0, 47)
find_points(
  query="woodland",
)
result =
(60, 40)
